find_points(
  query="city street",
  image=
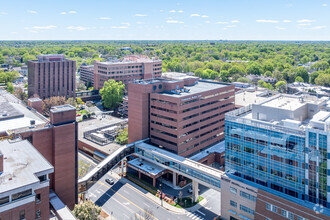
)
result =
(122, 201)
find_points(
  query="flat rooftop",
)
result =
(177, 76)
(21, 114)
(62, 108)
(92, 124)
(146, 166)
(251, 96)
(22, 164)
(201, 86)
(217, 148)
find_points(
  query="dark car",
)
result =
(110, 181)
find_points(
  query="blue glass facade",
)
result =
(276, 159)
(268, 158)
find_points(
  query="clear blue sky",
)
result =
(165, 20)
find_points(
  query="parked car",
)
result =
(190, 190)
(110, 181)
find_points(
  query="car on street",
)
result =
(110, 181)
(190, 190)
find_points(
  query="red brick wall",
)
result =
(62, 116)
(13, 214)
(64, 157)
(43, 206)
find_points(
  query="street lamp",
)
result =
(161, 194)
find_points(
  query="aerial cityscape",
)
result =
(173, 110)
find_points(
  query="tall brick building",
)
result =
(52, 75)
(178, 112)
(132, 67)
(55, 139)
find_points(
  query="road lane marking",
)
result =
(125, 191)
(127, 199)
(146, 205)
(200, 212)
(130, 210)
(126, 216)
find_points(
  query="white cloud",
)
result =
(266, 21)
(235, 21)
(231, 26)
(126, 23)
(305, 21)
(139, 22)
(77, 28)
(104, 18)
(174, 22)
(172, 11)
(49, 27)
(195, 15)
(3, 13)
(140, 15)
(280, 28)
(72, 12)
(287, 21)
(207, 22)
(324, 5)
(33, 31)
(318, 27)
(32, 12)
(119, 27)
(180, 11)
(305, 24)
(63, 13)
(204, 16)
(222, 22)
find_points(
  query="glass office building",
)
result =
(283, 145)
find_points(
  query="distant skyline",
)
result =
(165, 20)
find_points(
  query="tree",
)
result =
(281, 86)
(112, 93)
(243, 80)
(302, 72)
(299, 79)
(313, 76)
(122, 137)
(19, 93)
(254, 69)
(10, 87)
(72, 101)
(47, 104)
(323, 79)
(79, 101)
(87, 211)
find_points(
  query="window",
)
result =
(284, 213)
(42, 178)
(21, 194)
(233, 190)
(274, 208)
(4, 200)
(248, 196)
(233, 203)
(268, 206)
(38, 214)
(38, 198)
(291, 216)
(22, 215)
(246, 209)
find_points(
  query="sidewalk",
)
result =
(159, 202)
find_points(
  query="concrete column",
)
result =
(154, 181)
(195, 191)
(123, 166)
(139, 175)
(174, 179)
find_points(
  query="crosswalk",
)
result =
(196, 215)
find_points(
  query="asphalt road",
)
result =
(122, 200)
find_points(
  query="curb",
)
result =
(173, 209)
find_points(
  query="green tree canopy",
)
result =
(302, 72)
(281, 86)
(87, 211)
(299, 79)
(112, 93)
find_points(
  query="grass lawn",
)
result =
(187, 202)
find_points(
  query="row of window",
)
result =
(119, 67)
(284, 213)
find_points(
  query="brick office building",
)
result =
(132, 67)
(55, 139)
(24, 176)
(178, 112)
(52, 75)
(87, 73)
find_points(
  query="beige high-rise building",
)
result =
(52, 75)
(132, 67)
